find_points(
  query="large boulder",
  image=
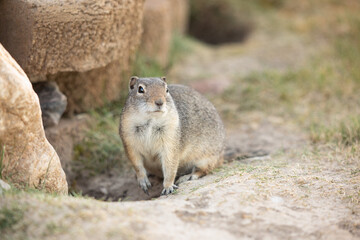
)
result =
(156, 38)
(29, 159)
(57, 36)
(93, 88)
(162, 19)
(221, 21)
(88, 44)
(179, 15)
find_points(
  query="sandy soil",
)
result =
(281, 196)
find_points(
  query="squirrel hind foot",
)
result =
(188, 177)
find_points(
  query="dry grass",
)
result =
(323, 93)
(322, 97)
(347, 133)
(101, 151)
(327, 171)
(9, 218)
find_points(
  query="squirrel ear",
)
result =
(163, 78)
(132, 82)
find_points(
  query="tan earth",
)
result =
(156, 38)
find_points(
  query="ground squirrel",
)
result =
(170, 131)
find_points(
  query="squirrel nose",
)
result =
(159, 102)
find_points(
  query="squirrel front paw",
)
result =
(145, 184)
(168, 190)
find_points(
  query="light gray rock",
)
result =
(4, 186)
(52, 101)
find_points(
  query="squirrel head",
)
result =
(150, 95)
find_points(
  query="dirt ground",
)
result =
(261, 137)
(275, 183)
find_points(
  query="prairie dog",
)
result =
(170, 131)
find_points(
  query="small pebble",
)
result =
(276, 199)
(3, 186)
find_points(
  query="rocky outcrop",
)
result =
(86, 44)
(86, 90)
(156, 38)
(162, 19)
(59, 36)
(220, 21)
(29, 158)
(179, 15)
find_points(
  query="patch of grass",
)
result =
(350, 133)
(146, 67)
(53, 228)
(42, 184)
(180, 46)
(347, 132)
(16, 189)
(325, 91)
(281, 93)
(348, 48)
(101, 151)
(10, 216)
(76, 194)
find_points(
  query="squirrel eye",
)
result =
(141, 90)
(167, 90)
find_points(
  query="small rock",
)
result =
(52, 101)
(156, 37)
(104, 190)
(4, 186)
(276, 199)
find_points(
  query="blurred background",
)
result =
(281, 73)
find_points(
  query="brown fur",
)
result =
(170, 134)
